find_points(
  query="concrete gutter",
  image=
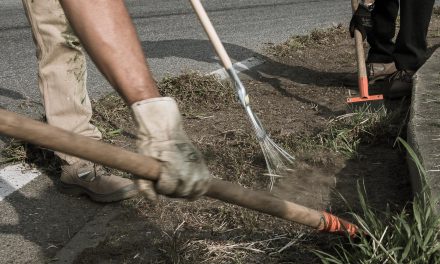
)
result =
(424, 127)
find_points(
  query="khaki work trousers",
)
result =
(62, 70)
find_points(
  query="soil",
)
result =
(295, 96)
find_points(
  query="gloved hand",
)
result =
(362, 21)
(160, 135)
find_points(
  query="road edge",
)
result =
(424, 128)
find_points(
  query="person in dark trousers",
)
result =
(394, 61)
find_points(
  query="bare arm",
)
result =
(109, 36)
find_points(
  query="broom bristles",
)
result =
(278, 161)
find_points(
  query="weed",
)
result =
(175, 246)
(344, 134)
(411, 236)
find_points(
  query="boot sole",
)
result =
(76, 190)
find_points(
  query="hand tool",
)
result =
(278, 160)
(364, 96)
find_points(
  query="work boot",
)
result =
(379, 71)
(84, 177)
(399, 84)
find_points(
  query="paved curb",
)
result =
(424, 127)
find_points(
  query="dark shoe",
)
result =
(84, 177)
(379, 71)
(399, 84)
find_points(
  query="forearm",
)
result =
(109, 37)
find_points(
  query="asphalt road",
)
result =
(37, 221)
(171, 36)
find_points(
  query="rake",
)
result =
(278, 161)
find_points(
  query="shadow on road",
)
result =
(270, 72)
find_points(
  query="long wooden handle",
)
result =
(360, 54)
(212, 34)
(362, 70)
(56, 139)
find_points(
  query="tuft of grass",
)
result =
(111, 116)
(344, 134)
(317, 38)
(15, 151)
(411, 236)
(198, 92)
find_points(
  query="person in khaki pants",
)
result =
(61, 28)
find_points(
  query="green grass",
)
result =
(344, 134)
(410, 236)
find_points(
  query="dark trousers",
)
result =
(409, 49)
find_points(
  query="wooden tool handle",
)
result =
(212, 34)
(362, 70)
(56, 139)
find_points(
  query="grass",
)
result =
(411, 236)
(344, 134)
(195, 92)
(317, 38)
(15, 151)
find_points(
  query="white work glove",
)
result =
(160, 135)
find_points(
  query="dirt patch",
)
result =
(299, 95)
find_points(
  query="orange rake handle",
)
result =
(56, 139)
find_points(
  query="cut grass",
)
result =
(317, 38)
(411, 236)
(194, 91)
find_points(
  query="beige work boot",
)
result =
(379, 71)
(84, 177)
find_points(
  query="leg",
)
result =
(411, 45)
(61, 70)
(62, 81)
(384, 25)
